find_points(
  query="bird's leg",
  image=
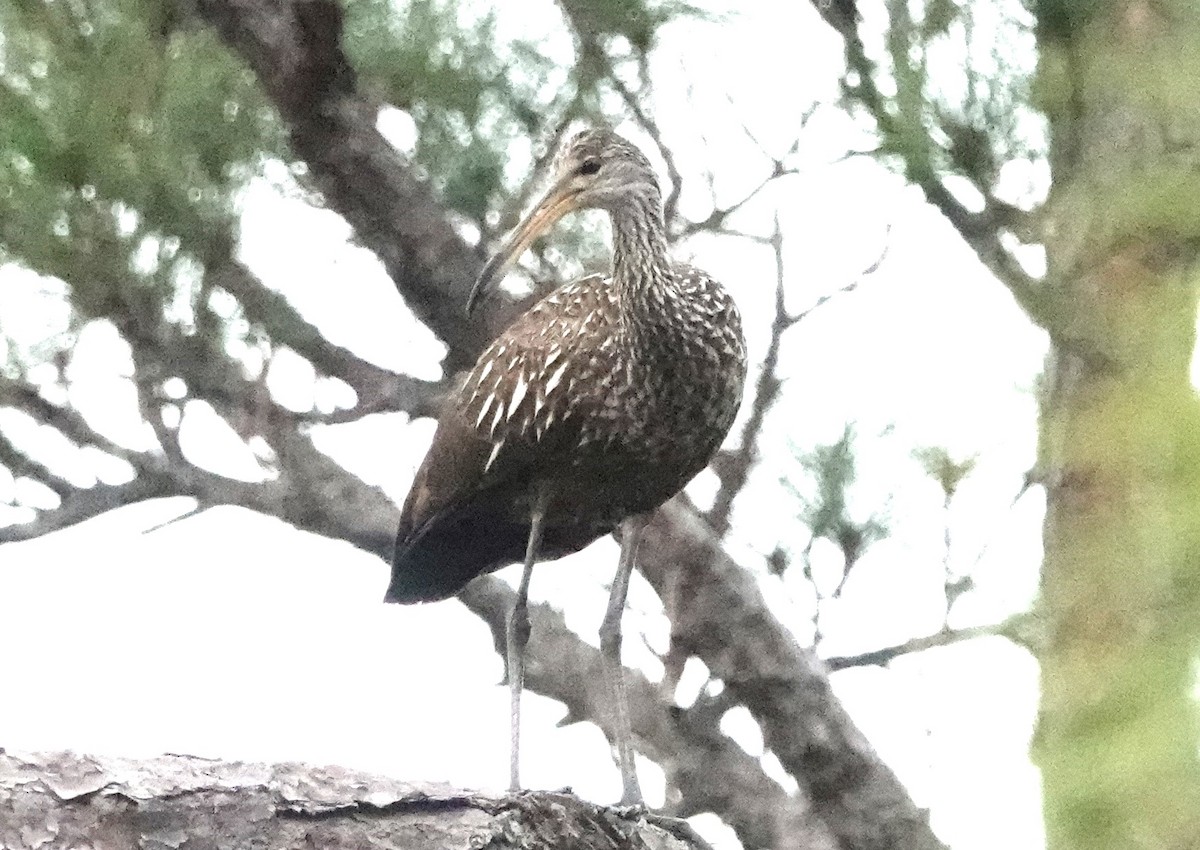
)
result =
(610, 649)
(516, 636)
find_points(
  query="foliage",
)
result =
(826, 511)
(122, 184)
(950, 89)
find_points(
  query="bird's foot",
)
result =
(631, 811)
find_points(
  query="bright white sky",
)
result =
(231, 634)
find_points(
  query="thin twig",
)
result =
(715, 220)
(1013, 628)
(195, 511)
(733, 468)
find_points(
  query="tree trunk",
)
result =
(1120, 430)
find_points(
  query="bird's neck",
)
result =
(642, 276)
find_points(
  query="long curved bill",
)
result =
(560, 200)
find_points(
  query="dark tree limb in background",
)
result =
(295, 49)
(723, 620)
(377, 389)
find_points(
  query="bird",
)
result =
(590, 410)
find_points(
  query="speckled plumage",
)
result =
(608, 396)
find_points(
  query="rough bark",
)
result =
(57, 801)
(1120, 428)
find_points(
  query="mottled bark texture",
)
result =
(1120, 428)
(56, 801)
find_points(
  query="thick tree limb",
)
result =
(295, 49)
(55, 801)
(378, 389)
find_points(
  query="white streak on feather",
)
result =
(552, 381)
(518, 395)
(483, 410)
(492, 457)
(496, 419)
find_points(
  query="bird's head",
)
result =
(596, 169)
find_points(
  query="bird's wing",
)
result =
(517, 412)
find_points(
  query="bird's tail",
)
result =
(438, 561)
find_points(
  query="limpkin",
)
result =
(589, 411)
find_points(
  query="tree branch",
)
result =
(1016, 629)
(294, 47)
(722, 619)
(84, 503)
(152, 802)
(378, 389)
(733, 468)
(21, 464)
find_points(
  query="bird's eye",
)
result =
(589, 166)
